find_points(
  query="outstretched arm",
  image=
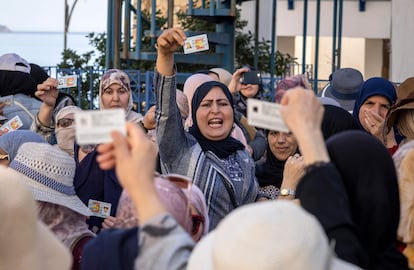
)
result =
(134, 158)
(47, 92)
(163, 244)
(321, 190)
(303, 114)
(168, 43)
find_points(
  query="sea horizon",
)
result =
(43, 47)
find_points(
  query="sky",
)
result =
(48, 15)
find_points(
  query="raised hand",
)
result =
(303, 113)
(170, 41)
(48, 92)
(234, 84)
(293, 171)
(134, 157)
(167, 43)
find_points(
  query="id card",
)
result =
(68, 81)
(7, 100)
(99, 209)
(196, 44)
(12, 125)
(95, 127)
(264, 114)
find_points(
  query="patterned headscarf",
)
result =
(116, 76)
(289, 83)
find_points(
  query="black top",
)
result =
(356, 199)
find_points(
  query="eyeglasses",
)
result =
(197, 221)
(65, 122)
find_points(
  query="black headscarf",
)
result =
(223, 148)
(336, 119)
(270, 172)
(370, 180)
(16, 82)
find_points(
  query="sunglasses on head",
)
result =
(183, 183)
(197, 221)
(65, 122)
(178, 180)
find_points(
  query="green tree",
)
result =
(73, 63)
(245, 48)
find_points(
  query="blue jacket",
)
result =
(113, 249)
(180, 153)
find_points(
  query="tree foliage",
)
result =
(72, 62)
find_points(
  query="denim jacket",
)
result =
(180, 153)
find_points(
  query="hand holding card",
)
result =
(95, 127)
(68, 81)
(196, 44)
(264, 114)
(11, 125)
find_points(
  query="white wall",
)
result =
(374, 22)
(373, 58)
(362, 32)
(402, 42)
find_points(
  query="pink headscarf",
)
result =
(198, 201)
(189, 88)
(182, 103)
(289, 83)
(172, 197)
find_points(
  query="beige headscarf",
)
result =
(65, 136)
(189, 88)
(224, 75)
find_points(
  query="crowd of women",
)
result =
(192, 185)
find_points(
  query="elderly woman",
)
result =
(372, 104)
(218, 164)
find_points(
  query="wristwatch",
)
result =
(287, 192)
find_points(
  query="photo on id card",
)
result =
(196, 44)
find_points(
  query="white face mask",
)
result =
(65, 138)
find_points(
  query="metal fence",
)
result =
(87, 91)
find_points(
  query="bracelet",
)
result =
(142, 126)
(315, 165)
